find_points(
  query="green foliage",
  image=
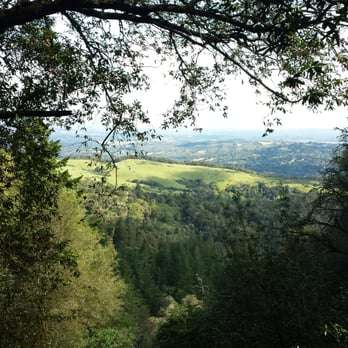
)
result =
(110, 338)
(291, 299)
(176, 243)
(30, 255)
(177, 330)
(56, 276)
(92, 296)
(331, 207)
(279, 301)
(95, 306)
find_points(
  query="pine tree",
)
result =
(29, 253)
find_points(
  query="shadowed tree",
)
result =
(330, 211)
(30, 255)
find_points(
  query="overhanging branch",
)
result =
(34, 113)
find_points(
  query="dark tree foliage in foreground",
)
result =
(331, 208)
(288, 300)
(86, 57)
(58, 285)
(30, 255)
(294, 298)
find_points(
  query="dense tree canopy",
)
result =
(30, 255)
(330, 210)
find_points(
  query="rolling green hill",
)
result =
(175, 176)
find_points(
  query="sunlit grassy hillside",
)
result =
(173, 175)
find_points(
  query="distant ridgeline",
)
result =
(291, 156)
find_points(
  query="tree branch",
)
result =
(29, 11)
(34, 113)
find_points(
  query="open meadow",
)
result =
(174, 176)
